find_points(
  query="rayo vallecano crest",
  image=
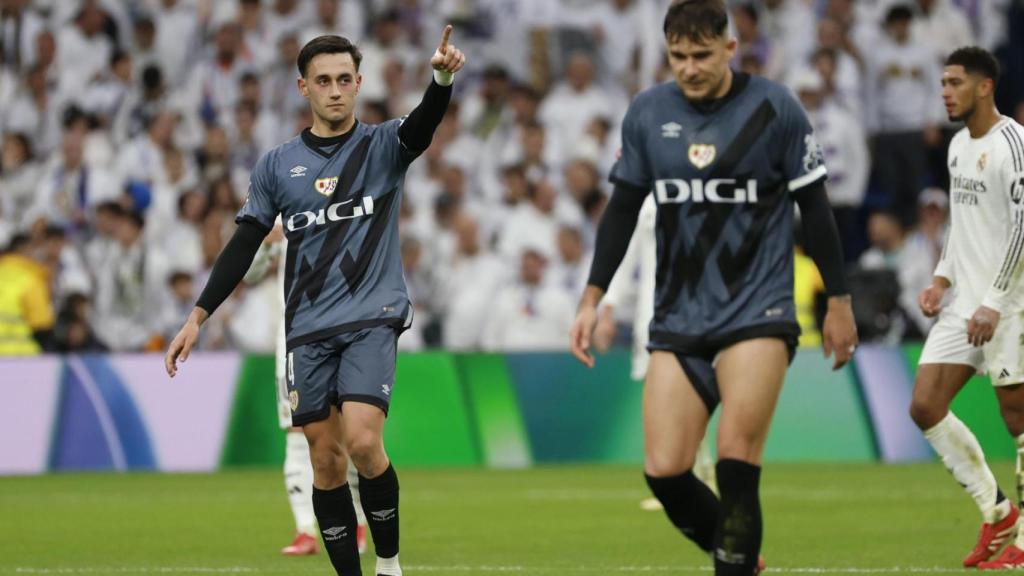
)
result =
(326, 186)
(702, 155)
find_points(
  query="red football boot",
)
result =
(303, 545)
(992, 537)
(1012, 557)
(361, 537)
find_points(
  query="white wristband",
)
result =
(444, 78)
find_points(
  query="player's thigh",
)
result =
(326, 452)
(750, 377)
(675, 416)
(363, 428)
(947, 362)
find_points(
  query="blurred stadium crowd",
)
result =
(128, 129)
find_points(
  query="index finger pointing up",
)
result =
(443, 49)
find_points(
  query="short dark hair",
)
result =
(976, 60)
(54, 232)
(110, 207)
(178, 276)
(899, 13)
(118, 55)
(750, 10)
(696, 20)
(17, 242)
(328, 44)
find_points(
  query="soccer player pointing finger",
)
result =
(337, 188)
(725, 155)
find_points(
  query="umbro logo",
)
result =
(386, 388)
(334, 533)
(671, 130)
(384, 515)
(298, 171)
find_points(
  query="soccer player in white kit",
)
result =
(298, 472)
(980, 327)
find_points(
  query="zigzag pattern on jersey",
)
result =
(311, 278)
(687, 266)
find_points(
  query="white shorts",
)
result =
(284, 406)
(1000, 358)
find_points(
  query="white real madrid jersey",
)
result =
(985, 246)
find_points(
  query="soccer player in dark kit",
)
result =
(726, 155)
(337, 188)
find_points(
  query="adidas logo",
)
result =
(953, 164)
(384, 515)
(1005, 373)
(334, 533)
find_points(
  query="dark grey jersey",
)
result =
(339, 205)
(723, 179)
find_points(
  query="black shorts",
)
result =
(357, 366)
(697, 357)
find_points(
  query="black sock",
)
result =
(690, 505)
(380, 505)
(336, 515)
(738, 537)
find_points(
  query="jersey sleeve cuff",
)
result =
(806, 180)
(995, 302)
(945, 271)
(444, 78)
(631, 186)
(255, 222)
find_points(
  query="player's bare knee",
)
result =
(745, 445)
(662, 466)
(364, 446)
(926, 413)
(326, 456)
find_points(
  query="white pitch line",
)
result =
(137, 570)
(488, 569)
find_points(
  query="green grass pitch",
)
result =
(820, 519)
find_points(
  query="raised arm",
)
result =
(418, 128)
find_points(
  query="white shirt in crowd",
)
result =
(525, 318)
(840, 133)
(902, 81)
(634, 283)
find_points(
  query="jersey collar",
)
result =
(739, 83)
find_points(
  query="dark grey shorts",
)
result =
(698, 361)
(357, 366)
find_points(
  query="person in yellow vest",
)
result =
(807, 284)
(26, 313)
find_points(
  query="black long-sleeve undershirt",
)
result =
(821, 237)
(232, 264)
(614, 232)
(417, 130)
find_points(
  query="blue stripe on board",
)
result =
(131, 428)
